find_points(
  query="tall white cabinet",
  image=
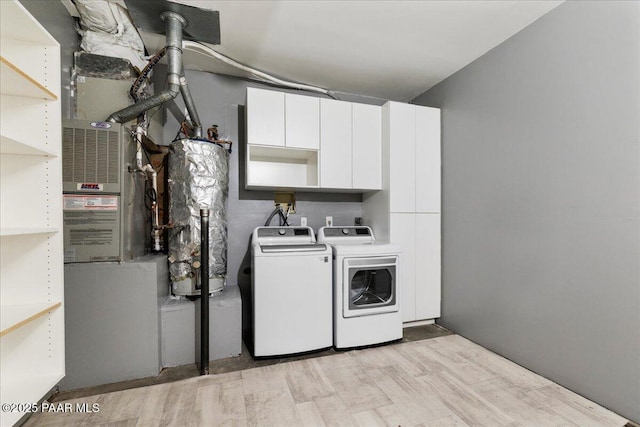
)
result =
(407, 211)
(31, 253)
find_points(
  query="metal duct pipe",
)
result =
(175, 23)
(191, 108)
(173, 29)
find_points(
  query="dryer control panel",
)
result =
(357, 234)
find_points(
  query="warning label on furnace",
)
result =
(91, 237)
(93, 221)
(90, 203)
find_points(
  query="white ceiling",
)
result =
(387, 49)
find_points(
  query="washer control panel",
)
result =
(282, 231)
(283, 235)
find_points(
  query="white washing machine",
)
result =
(366, 309)
(291, 290)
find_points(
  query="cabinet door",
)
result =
(427, 159)
(302, 121)
(403, 233)
(402, 135)
(427, 263)
(265, 117)
(367, 147)
(335, 144)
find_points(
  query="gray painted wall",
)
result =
(541, 200)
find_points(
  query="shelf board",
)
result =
(271, 187)
(16, 82)
(17, 231)
(9, 145)
(13, 317)
(272, 153)
(32, 387)
(26, 387)
(307, 188)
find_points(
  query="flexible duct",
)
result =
(146, 104)
(133, 91)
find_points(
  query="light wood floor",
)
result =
(446, 381)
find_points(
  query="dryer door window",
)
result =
(370, 286)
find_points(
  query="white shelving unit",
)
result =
(31, 261)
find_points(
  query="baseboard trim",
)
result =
(418, 323)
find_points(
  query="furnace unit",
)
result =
(103, 200)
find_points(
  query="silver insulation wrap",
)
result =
(198, 178)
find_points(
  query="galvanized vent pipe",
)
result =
(191, 108)
(176, 82)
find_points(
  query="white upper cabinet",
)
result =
(265, 117)
(367, 146)
(302, 121)
(296, 141)
(283, 136)
(282, 120)
(400, 123)
(335, 144)
(427, 160)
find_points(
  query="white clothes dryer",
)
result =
(366, 276)
(291, 291)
